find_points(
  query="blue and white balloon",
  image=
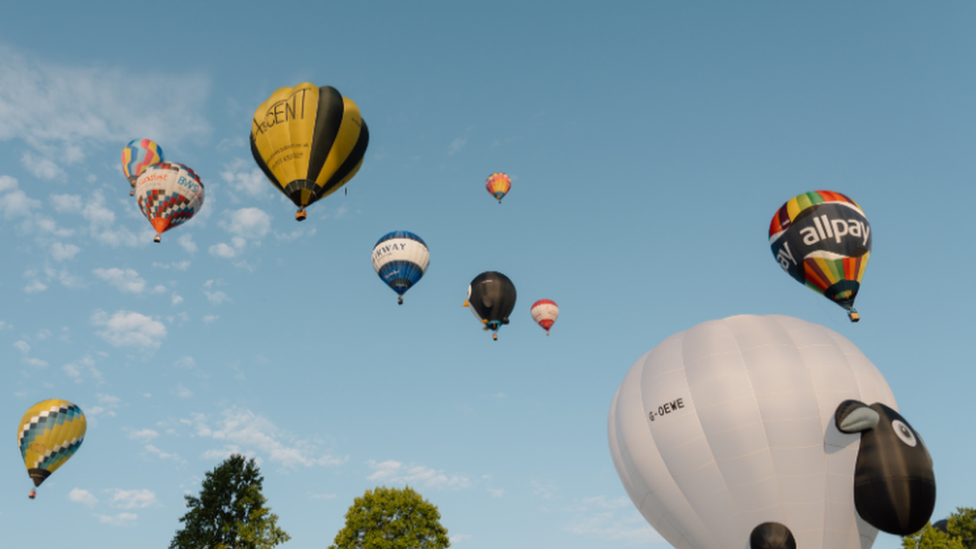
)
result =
(400, 259)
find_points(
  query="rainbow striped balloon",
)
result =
(138, 155)
(823, 240)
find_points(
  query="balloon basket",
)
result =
(300, 215)
(32, 494)
(399, 301)
(494, 337)
(132, 192)
(854, 316)
(158, 239)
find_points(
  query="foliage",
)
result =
(959, 532)
(230, 512)
(389, 518)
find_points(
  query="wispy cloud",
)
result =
(417, 475)
(131, 499)
(456, 146)
(242, 428)
(124, 280)
(63, 109)
(120, 519)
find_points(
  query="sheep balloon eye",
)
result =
(904, 432)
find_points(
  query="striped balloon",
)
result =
(544, 313)
(400, 259)
(49, 434)
(498, 185)
(138, 155)
(823, 240)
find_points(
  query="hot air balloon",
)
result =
(138, 155)
(767, 432)
(308, 141)
(498, 185)
(48, 435)
(400, 259)
(491, 297)
(823, 240)
(544, 313)
(169, 194)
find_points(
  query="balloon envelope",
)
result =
(400, 259)
(544, 313)
(823, 240)
(498, 185)
(491, 297)
(49, 434)
(169, 194)
(730, 425)
(138, 155)
(308, 141)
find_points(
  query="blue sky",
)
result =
(649, 146)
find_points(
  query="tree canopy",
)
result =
(956, 532)
(390, 518)
(230, 512)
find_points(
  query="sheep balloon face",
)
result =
(724, 435)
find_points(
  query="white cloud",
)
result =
(34, 286)
(217, 297)
(544, 491)
(36, 362)
(121, 519)
(611, 520)
(161, 454)
(22, 346)
(7, 183)
(64, 203)
(242, 428)
(126, 281)
(228, 251)
(102, 225)
(176, 299)
(244, 177)
(64, 108)
(14, 202)
(60, 252)
(210, 319)
(176, 265)
(129, 329)
(4, 325)
(496, 492)
(186, 241)
(42, 168)
(185, 362)
(183, 392)
(396, 472)
(456, 146)
(83, 497)
(66, 279)
(74, 371)
(143, 435)
(460, 537)
(131, 499)
(294, 235)
(248, 223)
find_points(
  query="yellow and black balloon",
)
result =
(49, 434)
(309, 141)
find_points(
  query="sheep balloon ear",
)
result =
(854, 416)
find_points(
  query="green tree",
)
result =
(230, 512)
(388, 518)
(958, 533)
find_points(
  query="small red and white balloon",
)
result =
(544, 313)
